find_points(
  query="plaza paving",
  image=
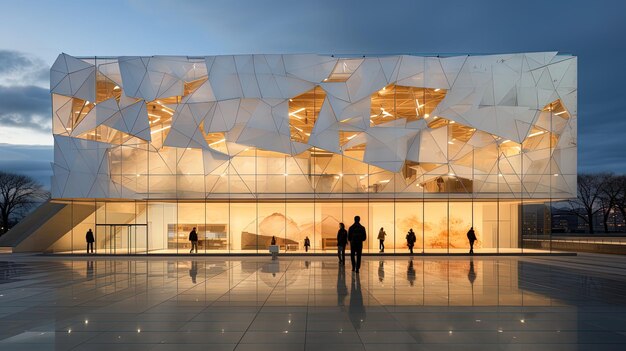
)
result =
(299, 303)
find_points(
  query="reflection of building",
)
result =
(145, 146)
(535, 219)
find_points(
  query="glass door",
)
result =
(121, 239)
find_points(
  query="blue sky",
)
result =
(35, 32)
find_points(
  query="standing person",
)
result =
(471, 236)
(193, 237)
(307, 243)
(440, 183)
(356, 236)
(381, 239)
(410, 240)
(273, 240)
(90, 240)
(342, 240)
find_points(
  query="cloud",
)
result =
(26, 107)
(24, 94)
(30, 160)
(17, 68)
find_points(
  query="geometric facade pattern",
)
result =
(315, 126)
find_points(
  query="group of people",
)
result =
(356, 235)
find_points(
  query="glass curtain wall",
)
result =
(145, 227)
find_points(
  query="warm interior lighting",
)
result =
(160, 129)
(296, 111)
(351, 136)
(117, 87)
(536, 133)
(217, 142)
(166, 111)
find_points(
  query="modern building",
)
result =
(248, 147)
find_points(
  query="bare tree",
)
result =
(587, 204)
(610, 189)
(18, 193)
(620, 200)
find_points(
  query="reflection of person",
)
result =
(193, 271)
(273, 240)
(471, 236)
(410, 273)
(307, 243)
(440, 183)
(356, 236)
(356, 309)
(307, 264)
(381, 239)
(471, 275)
(410, 240)
(89, 270)
(90, 240)
(193, 237)
(342, 289)
(381, 271)
(342, 240)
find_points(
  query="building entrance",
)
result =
(122, 239)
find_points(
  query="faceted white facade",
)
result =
(165, 127)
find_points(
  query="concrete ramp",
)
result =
(44, 226)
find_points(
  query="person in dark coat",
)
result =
(273, 242)
(342, 241)
(193, 237)
(90, 240)
(356, 236)
(471, 236)
(410, 240)
(307, 243)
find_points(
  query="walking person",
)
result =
(90, 240)
(356, 237)
(471, 236)
(193, 237)
(307, 243)
(381, 239)
(410, 240)
(342, 241)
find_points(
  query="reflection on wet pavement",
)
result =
(420, 303)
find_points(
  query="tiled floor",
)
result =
(253, 303)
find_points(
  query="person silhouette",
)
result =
(89, 238)
(471, 237)
(342, 241)
(273, 242)
(356, 237)
(381, 239)
(193, 271)
(307, 244)
(381, 271)
(193, 238)
(410, 240)
(410, 273)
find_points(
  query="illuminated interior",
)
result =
(253, 146)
